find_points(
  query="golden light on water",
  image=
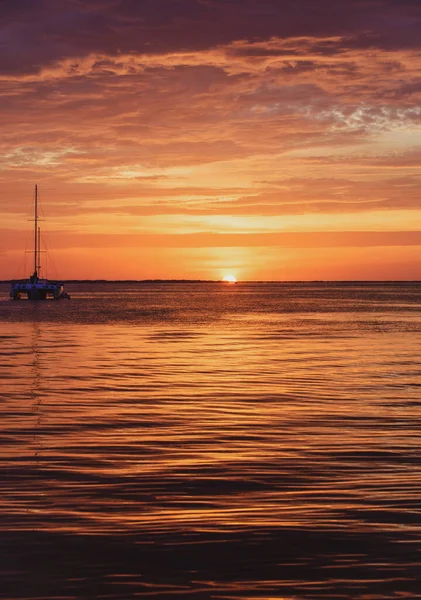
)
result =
(205, 421)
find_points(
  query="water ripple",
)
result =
(207, 441)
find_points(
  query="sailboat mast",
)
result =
(39, 252)
(36, 233)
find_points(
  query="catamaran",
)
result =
(37, 288)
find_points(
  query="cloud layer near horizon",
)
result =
(210, 118)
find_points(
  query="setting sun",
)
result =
(230, 279)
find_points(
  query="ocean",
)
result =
(208, 440)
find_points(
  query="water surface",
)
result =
(204, 440)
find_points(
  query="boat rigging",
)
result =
(37, 288)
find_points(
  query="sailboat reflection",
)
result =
(36, 383)
(36, 448)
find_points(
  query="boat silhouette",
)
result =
(36, 287)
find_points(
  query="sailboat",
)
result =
(37, 288)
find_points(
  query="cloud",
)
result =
(339, 239)
(210, 109)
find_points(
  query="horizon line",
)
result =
(377, 281)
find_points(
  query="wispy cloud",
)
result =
(211, 114)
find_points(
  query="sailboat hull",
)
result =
(41, 290)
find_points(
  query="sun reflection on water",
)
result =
(271, 440)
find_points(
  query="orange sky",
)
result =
(206, 137)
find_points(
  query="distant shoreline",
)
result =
(306, 281)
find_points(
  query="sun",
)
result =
(230, 279)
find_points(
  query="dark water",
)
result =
(212, 441)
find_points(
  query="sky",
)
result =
(192, 139)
